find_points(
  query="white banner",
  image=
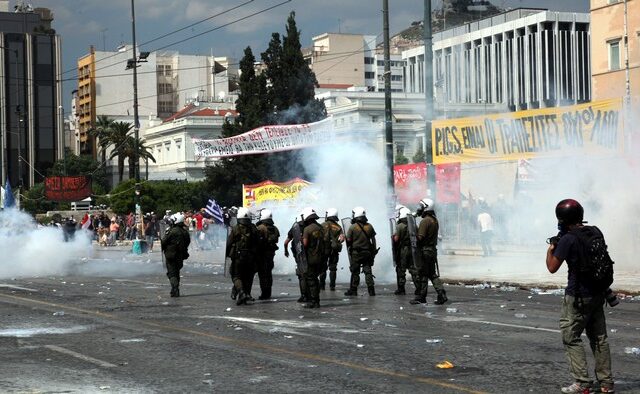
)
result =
(267, 139)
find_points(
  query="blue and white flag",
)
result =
(214, 210)
(9, 201)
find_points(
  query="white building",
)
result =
(522, 59)
(170, 141)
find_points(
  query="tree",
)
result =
(143, 153)
(158, 196)
(117, 138)
(100, 132)
(225, 178)
(419, 157)
(34, 201)
(401, 159)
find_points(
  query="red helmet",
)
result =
(569, 211)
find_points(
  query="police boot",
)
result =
(400, 291)
(175, 287)
(242, 298)
(302, 298)
(351, 292)
(422, 297)
(372, 290)
(332, 280)
(442, 297)
(322, 285)
(265, 294)
(234, 293)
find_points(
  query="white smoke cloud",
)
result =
(29, 251)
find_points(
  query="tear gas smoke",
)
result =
(29, 250)
(344, 176)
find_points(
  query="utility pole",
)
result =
(387, 100)
(428, 98)
(136, 120)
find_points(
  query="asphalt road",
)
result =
(101, 331)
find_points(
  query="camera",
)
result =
(611, 297)
(553, 240)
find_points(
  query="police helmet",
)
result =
(177, 218)
(358, 212)
(243, 213)
(403, 213)
(331, 213)
(265, 214)
(309, 213)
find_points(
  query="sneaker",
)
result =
(607, 389)
(577, 388)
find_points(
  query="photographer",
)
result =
(584, 299)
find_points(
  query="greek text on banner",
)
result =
(593, 128)
(253, 195)
(267, 139)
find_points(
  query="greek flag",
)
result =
(214, 210)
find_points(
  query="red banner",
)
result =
(448, 183)
(67, 188)
(410, 181)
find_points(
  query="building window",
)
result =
(369, 75)
(396, 77)
(368, 60)
(375, 118)
(380, 63)
(614, 55)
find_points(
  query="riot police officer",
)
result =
(174, 245)
(242, 248)
(336, 235)
(269, 234)
(402, 243)
(361, 245)
(294, 237)
(427, 266)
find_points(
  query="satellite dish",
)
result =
(221, 96)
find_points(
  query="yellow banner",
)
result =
(253, 195)
(593, 128)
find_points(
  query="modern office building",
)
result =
(31, 124)
(522, 59)
(351, 60)
(167, 81)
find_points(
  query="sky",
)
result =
(106, 24)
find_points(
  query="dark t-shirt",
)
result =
(568, 249)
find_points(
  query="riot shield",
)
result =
(227, 260)
(395, 251)
(413, 238)
(298, 249)
(346, 224)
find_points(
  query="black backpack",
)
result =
(595, 269)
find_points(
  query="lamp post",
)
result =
(18, 111)
(64, 143)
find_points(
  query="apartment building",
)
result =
(167, 81)
(351, 60)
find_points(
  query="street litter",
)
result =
(452, 310)
(520, 315)
(444, 365)
(58, 313)
(364, 319)
(360, 345)
(434, 340)
(632, 350)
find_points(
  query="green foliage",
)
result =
(420, 156)
(82, 165)
(401, 159)
(158, 196)
(33, 200)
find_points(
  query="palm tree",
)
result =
(143, 153)
(100, 132)
(118, 137)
